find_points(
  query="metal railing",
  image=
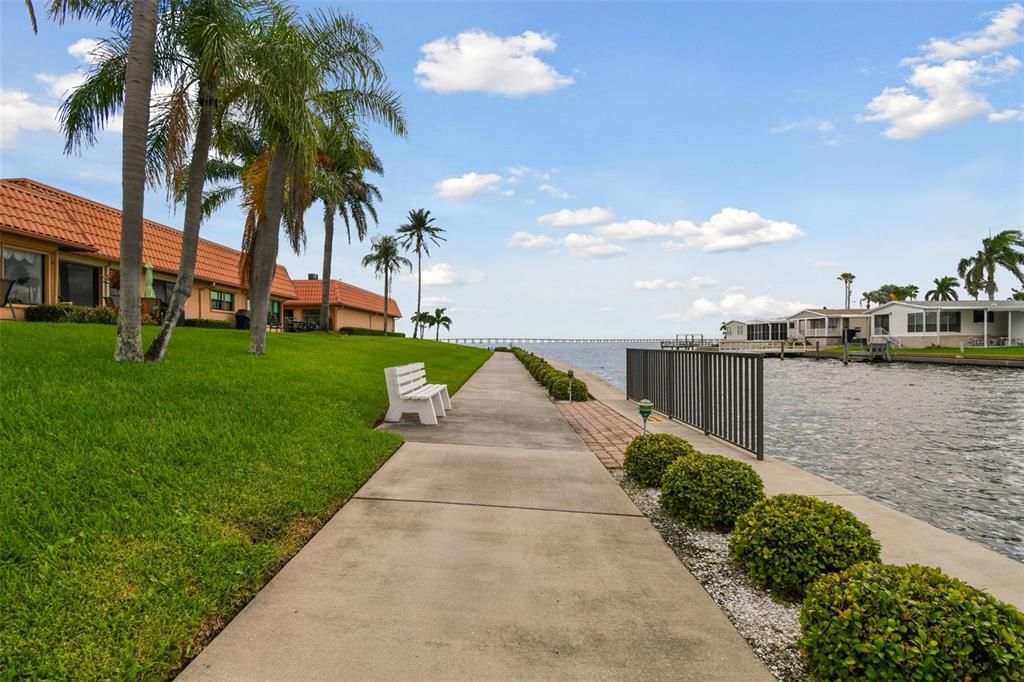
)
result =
(720, 393)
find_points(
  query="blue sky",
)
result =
(714, 161)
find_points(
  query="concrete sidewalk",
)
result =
(904, 539)
(494, 546)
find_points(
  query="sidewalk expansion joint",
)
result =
(495, 506)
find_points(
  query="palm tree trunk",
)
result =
(325, 289)
(386, 293)
(419, 289)
(137, 87)
(193, 221)
(437, 334)
(264, 256)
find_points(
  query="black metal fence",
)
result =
(719, 393)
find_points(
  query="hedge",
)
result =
(649, 455)
(206, 324)
(362, 331)
(555, 381)
(882, 622)
(65, 312)
(788, 541)
(710, 491)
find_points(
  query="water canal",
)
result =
(939, 442)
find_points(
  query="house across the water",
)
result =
(907, 324)
(60, 247)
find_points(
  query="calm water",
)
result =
(939, 442)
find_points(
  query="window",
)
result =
(163, 291)
(275, 314)
(979, 316)
(79, 284)
(833, 322)
(881, 323)
(311, 316)
(222, 300)
(817, 323)
(915, 322)
(949, 321)
(930, 321)
(29, 271)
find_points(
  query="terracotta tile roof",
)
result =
(100, 225)
(34, 214)
(309, 292)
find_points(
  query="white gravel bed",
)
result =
(771, 628)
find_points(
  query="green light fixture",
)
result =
(646, 407)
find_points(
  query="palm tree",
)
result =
(723, 328)
(423, 320)
(1016, 295)
(945, 290)
(386, 260)
(847, 279)
(141, 17)
(1006, 250)
(322, 69)
(417, 234)
(440, 319)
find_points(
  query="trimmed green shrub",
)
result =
(710, 491)
(649, 454)
(207, 324)
(560, 389)
(65, 312)
(555, 381)
(362, 331)
(788, 541)
(882, 622)
(502, 349)
(48, 313)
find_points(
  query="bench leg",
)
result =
(438, 405)
(394, 414)
(445, 400)
(427, 414)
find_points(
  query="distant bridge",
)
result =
(514, 340)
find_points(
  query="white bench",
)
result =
(408, 391)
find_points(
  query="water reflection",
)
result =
(942, 443)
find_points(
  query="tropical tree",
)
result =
(891, 292)
(945, 290)
(1004, 250)
(722, 328)
(847, 279)
(340, 183)
(386, 259)
(423, 320)
(417, 234)
(1016, 295)
(440, 319)
(324, 68)
(139, 20)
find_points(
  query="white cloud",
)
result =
(673, 245)
(1001, 32)
(823, 127)
(943, 87)
(467, 185)
(19, 113)
(740, 306)
(552, 190)
(694, 282)
(477, 61)
(60, 85)
(84, 50)
(576, 218)
(605, 309)
(525, 240)
(1006, 115)
(435, 301)
(589, 246)
(728, 230)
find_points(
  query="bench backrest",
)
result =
(404, 379)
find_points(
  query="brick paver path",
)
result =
(605, 431)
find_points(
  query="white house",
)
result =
(826, 326)
(919, 324)
(756, 330)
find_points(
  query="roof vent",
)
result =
(313, 275)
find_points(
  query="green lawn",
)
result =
(142, 505)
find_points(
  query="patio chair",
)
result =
(6, 285)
